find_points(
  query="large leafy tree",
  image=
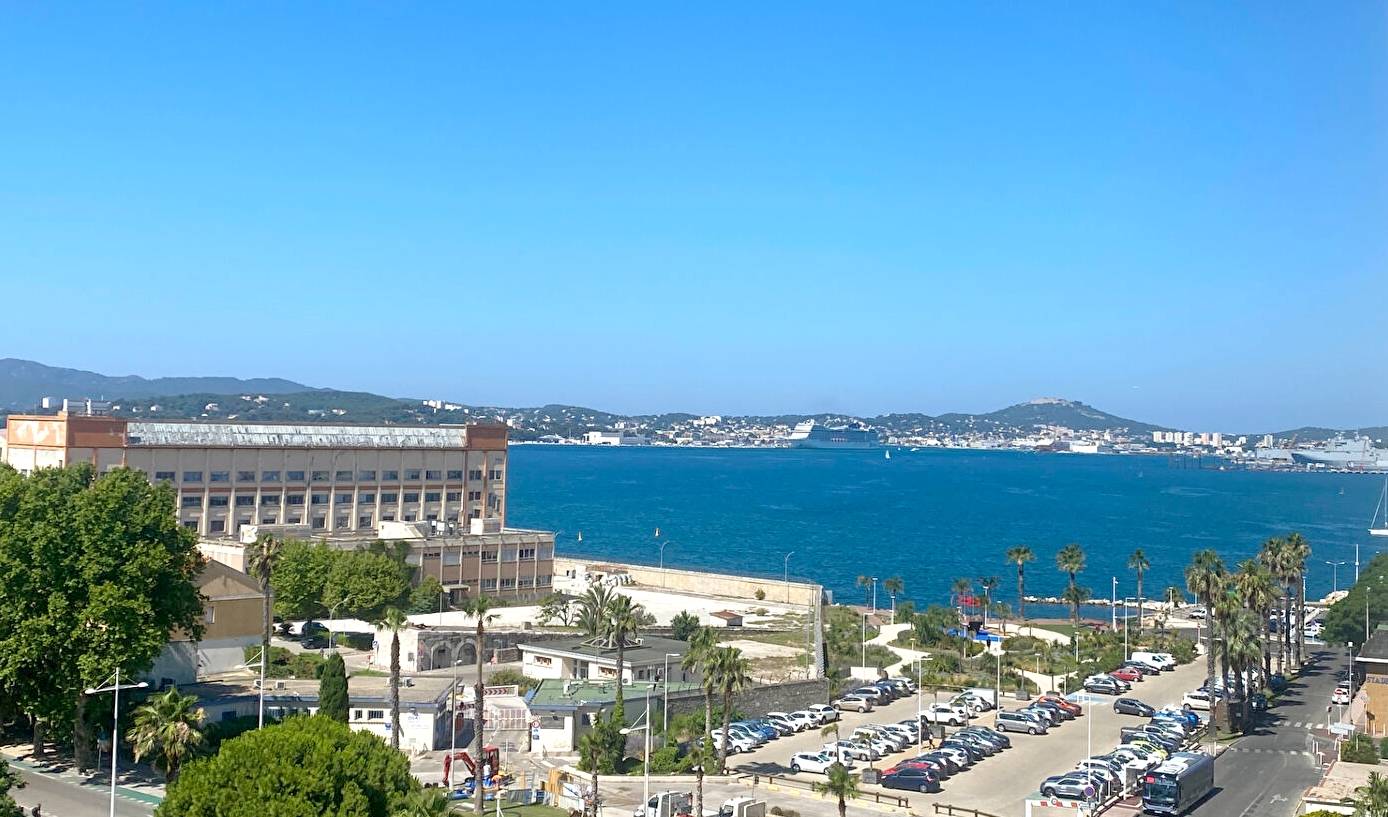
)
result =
(1019, 555)
(623, 625)
(363, 584)
(1258, 593)
(1276, 557)
(96, 574)
(685, 624)
(299, 579)
(298, 767)
(332, 689)
(8, 780)
(168, 728)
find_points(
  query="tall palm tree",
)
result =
(592, 611)
(167, 727)
(1205, 579)
(700, 755)
(731, 674)
(865, 582)
(1138, 563)
(989, 584)
(839, 784)
(1258, 593)
(1070, 561)
(422, 803)
(1298, 551)
(393, 621)
(1274, 556)
(697, 660)
(623, 624)
(832, 730)
(1243, 642)
(1019, 555)
(480, 608)
(893, 586)
(960, 588)
(1074, 596)
(591, 748)
(1226, 607)
(261, 558)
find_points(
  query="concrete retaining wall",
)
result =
(706, 584)
(753, 702)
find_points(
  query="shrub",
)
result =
(760, 594)
(510, 675)
(1359, 749)
(665, 760)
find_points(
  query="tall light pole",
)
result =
(874, 595)
(646, 763)
(665, 707)
(661, 543)
(260, 661)
(453, 722)
(1366, 626)
(1113, 604)
(1335, 574)
(114, 687)
(785, 576)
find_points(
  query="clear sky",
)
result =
(1175, 212)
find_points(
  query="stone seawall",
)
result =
(697, 582)
(758, 700)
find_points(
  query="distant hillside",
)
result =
(1045, 411)
(23, 383)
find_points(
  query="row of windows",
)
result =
(387, 498)
(411, 475)
(513, 584)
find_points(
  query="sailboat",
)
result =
(1379, 525)
(887, 454)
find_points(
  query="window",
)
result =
(165, 476)
(344, 499)
(455, 476)
(387, 517)
(192, 502)
(356, 714)
(496, 474)
(190, 524)
(452, 517)
(340, 522)
(474, 496)
(433, 475)
(412, 496)
(525, 582)
(366, 499)
(390, 497)
(376, 715)
(294, 520)
(269, 499)
(217, 501)
(432, 496)
(295, 499)
(319, 523)
(390, 476)
(245, 476)
(269, 520)
(412, 474)
(409, 517)
(431, 517)
(320, 476)
(542, 581)
(489, 584)
(192, 476)
(475, 473)
(363, 521)
(366, 476)
(269, 476)
(527, 553)
(217, 526)
(294, 476)
(343, 476)
(245, 501)
(220, 476)
(489, 556)
(319, 499)
(508, 584)
(454, 496)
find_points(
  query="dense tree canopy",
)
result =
(1344, 621)
(365, 583)
(332, 689)
(313, 580)
(95, 573)
(301, 767)
(8, 780)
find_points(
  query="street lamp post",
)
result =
(785, 575)
(661, 543)
(646, 763)
(665, 705)
(864, 664)
(114, 688)
(260, 661)
(1335, 574)
(1113, 605)
(874, 594)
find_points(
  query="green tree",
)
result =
(168, 728)
(8, 781)
(479, 608)
(300, 767)
(1138, 563)
(508, 676)
(363, 584)
(393, 622)
(839, 784)
(299, 577)
(893, 585)
(592, 750)
(1298, 551)
(1258, 593)
(685, 624)
(1070, 561)
(96, 573)
(1371, 799)
(700, 755)
(422, 803)
(427, 597)
(1205, 578)
(260, 563)
(592, 611)
(1276, 556)
(731, 674)
(865, 582)
(698, 659)
(555, 607)
(623, 624)
(332, 689)
(1019, 555)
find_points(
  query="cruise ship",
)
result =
(1359, 452)
(810, 434)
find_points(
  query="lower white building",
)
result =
(647, 659)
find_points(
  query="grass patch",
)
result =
(781, 638)
(370, 673)
(515, 810)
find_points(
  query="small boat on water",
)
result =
(1378, 526)
(887, 454)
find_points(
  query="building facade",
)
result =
(648, 659)
(231, 619)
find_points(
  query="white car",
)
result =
(1340, 696)
(824, 713)
(735, 744)
(1196, 613)
(803, 719)
(817, 762)
(1197, 700)
(784, 717)
(960, 757)
(895, 740)
(907, 736)
(973, 703)
(850, 750)
(945, 713)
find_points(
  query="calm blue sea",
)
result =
(928, 516)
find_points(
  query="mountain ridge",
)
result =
(24, 382)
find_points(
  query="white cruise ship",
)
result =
(810, 434)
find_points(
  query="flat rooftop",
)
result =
(651, 650)
(361, 689)
(269, 435)
(550, 694)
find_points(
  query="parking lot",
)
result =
(997, 784)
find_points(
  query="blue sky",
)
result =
(1174, 212)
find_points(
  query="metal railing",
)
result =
(946, 808)
(791, 783)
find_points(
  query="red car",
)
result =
(1069, 706)
(1128, 674)
(916, 764)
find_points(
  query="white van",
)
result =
(989, 696)
(1160, 660)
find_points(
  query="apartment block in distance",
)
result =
(442, 488)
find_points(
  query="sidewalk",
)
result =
(135, 782)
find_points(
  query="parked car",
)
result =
(1051, 706)
(1051, 714)
(850, 749)
(1277, 682)
(1074, 785)
(1127, 674)
(1185, 714)
(904, 681)
(950, 762)
(1063, 703)
(975, 752)
(1142, 667)
(987, 748)
(824, 713)
(945, 713)
(877, 695)
(1160, 660)
(1019, 722)
(988, 733)
(1198, 699)
(1341, 695)
(891, 690)
(912, 779)
(1132, 706)
(971, 702)
(1197, 613)
(779, 723)
(853, 703)
(920, 763)
(1111, 772)
(736, 743)
(1104, 685)
(816, 762)
(799, 721)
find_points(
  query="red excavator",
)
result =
(491, 757)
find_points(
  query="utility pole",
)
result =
(114, 688)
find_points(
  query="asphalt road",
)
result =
(62, 798)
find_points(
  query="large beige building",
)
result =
(442, 488)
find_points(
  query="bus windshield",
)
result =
(1161, 792)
